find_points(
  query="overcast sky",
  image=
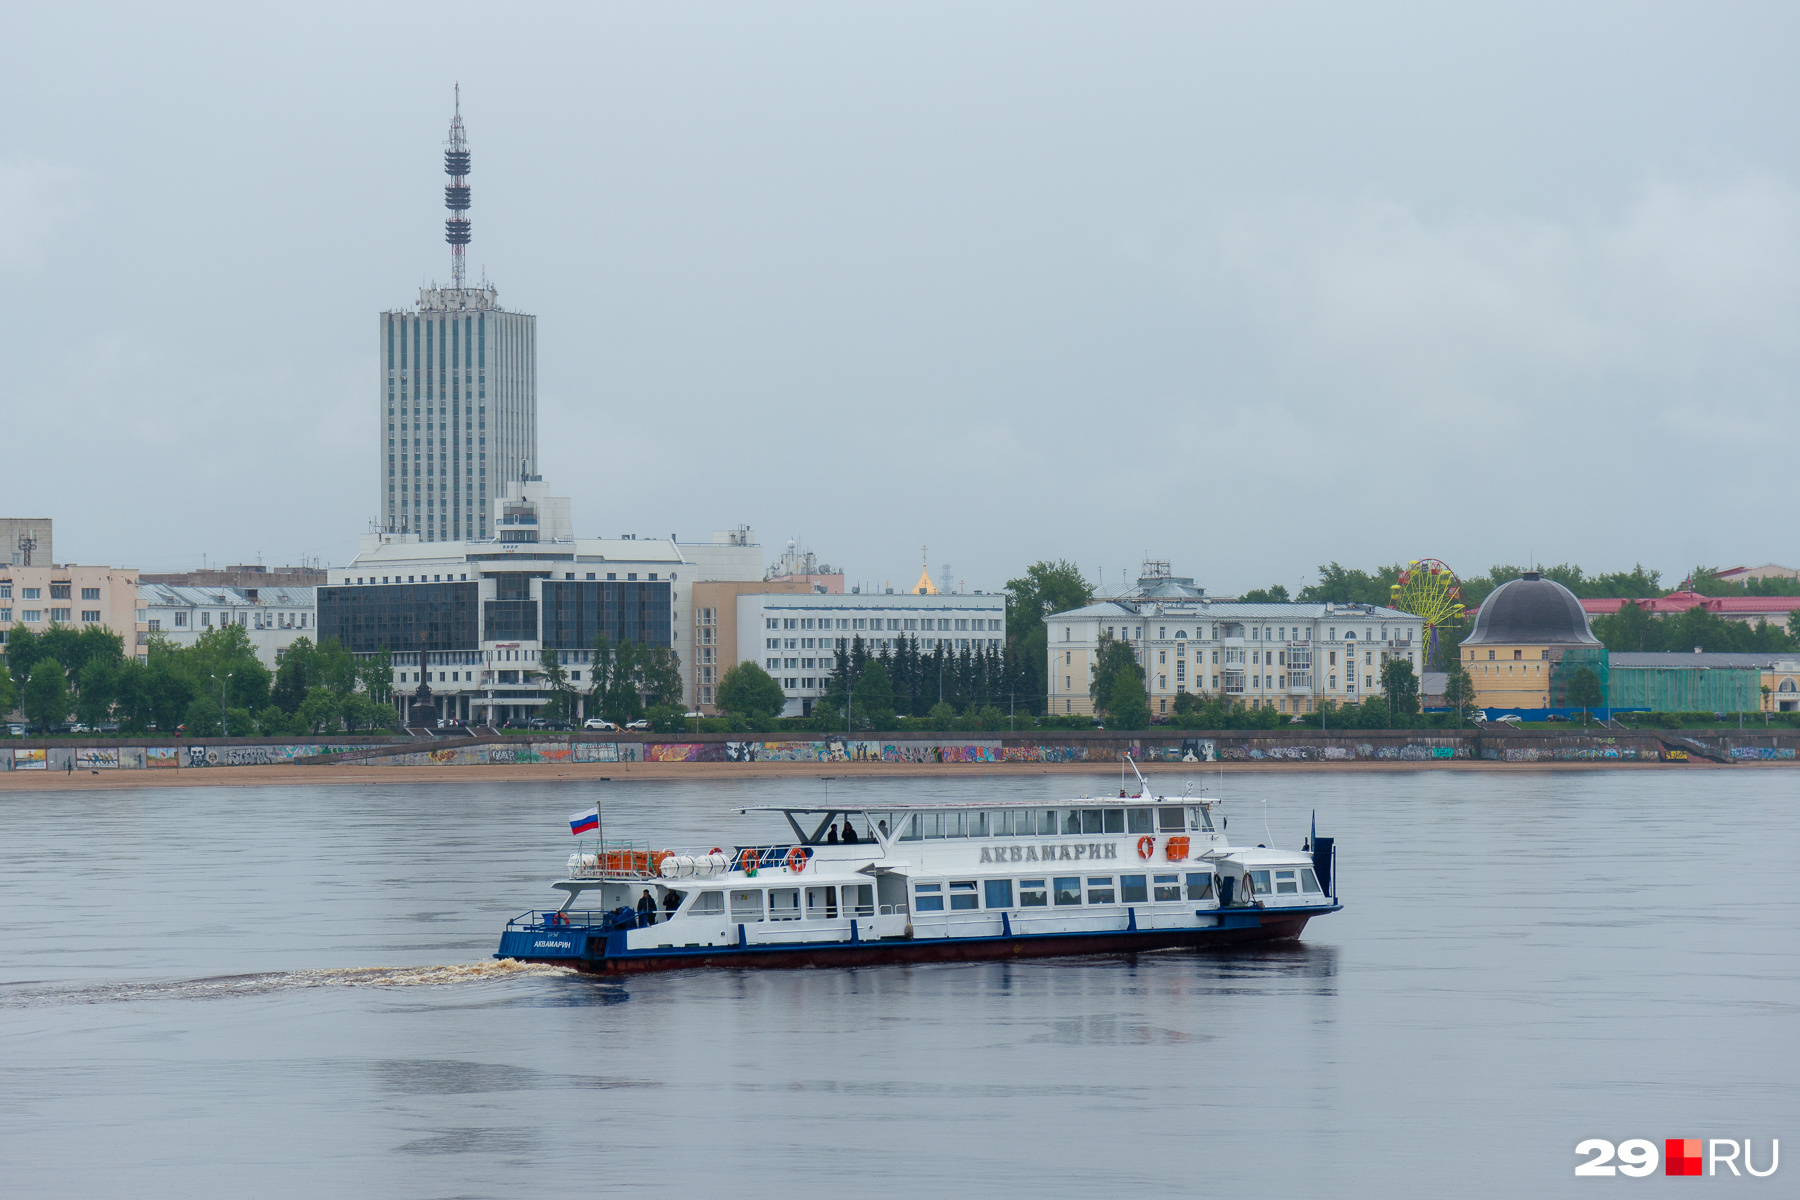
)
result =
(1245, 287)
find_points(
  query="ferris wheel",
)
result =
(1430, 591)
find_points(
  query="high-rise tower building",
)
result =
(458, 391)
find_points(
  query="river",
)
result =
(288, 992)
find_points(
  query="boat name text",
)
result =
(1000, 854)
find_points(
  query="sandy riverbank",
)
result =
(286, 776)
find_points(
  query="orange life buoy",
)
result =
(796, 859)
(1146, 846)
(748, 857)
(715, 850)
(1178, 849)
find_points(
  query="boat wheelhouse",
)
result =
(909, 883)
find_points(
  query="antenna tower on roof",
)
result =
(457, 229)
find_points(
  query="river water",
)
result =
(287, 992)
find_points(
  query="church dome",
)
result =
(1531, 611)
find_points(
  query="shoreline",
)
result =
(363, 774)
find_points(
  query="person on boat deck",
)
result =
(884, 829)
(671, 902)
(849, 831)
(831, 838)
(646, 907)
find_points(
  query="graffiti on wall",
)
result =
(30, 760)
(97, 758)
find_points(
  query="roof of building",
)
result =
(1231, 610)
(1531, 611)
(168, 595)
(1680, 602)
(1780, 660)
(401, 551)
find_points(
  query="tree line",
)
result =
(216, 685)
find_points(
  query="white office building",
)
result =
(1290, 657)
(273, 617)
(795, 637)
(457, 402)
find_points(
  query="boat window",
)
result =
(1092, 821)
(1285, 884)
(747, 906)
(708, 904)
(1000, 823)
(1308, 881)
(962, 895)
(1031, 893)
(883, 825)
(1100, 891)
(859, 899)
(1068, 889)
(1261, 878)
(1199, 885)
(1115, 820)
(821, 904)
(1046, 821)
(978, 824)
(934, 824)
(1171, 820)
(954, 824)
(1134, 889)
(1071, 820)
(1168, 887)
(784, 904)
(999, 893)
(914, 829)
(928, 897)
(1138, 820)
(1199, 818)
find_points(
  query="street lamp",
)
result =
(223, 730)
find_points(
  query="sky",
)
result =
(1246, 288)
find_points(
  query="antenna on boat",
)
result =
(1143, 784)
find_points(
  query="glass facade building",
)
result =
(401, 616)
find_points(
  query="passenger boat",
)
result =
(932, 882)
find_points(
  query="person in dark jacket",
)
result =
(831, 838)
(646, 907)
(849, 832)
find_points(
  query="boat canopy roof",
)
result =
(1073, 801)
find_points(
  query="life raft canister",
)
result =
(1146, 846)
(1178, 849)
(796, 859)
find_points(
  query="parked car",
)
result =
(599, 723)
(1556, 717)
(78, 727)
(15, 729)
(1510, 719)
(638, 725)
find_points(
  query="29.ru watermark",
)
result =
(1681, 1156)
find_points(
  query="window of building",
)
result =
(32, 593)
(90, 593)
(91, 615)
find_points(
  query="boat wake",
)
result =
(26, 995)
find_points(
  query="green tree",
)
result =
(1401, 687)
(98, 687)
(202, 716)
(666, 718)
(23, 648)
(1585, 691)
(1117, 688)
(9, 694)
(941, 716)
(376, 673)
(623, 702)
(1275, 593)
(1459, 689)
(321, 709)
(874, 696)
(294, 676)
(747, 690)
(658, 676)
(1045, 588)
(1339, 584)
(556, 680)
(46, 699)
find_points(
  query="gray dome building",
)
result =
(1531, 611)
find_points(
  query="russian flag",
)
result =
(581, 823)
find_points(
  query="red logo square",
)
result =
(1681, 1156)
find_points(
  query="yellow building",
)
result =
(1523, 631)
